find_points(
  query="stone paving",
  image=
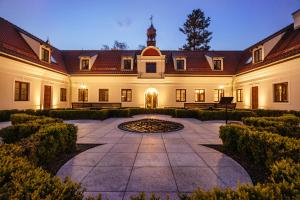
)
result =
(128, 163)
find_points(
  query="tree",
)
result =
(105, 47)
(195, 28)
(141, 47)
(120, 45)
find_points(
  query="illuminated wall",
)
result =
(265, 78)
(166, 88)
(11, 71)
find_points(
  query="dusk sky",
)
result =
(89, 24)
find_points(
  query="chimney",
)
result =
(296, 16)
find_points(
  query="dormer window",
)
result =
(127, 63)
(257, 55)
(84, 63)
(180, 64)
(45, 54)
(217, 64)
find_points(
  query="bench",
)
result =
(96, 105)
(208, 105)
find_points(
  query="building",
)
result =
(36, 75)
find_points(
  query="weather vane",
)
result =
(151, 19)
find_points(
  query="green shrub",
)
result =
(5, 114)
(186, 113)
(49, 142)
(288, 119)
(19, 179)
(22, 118)
(118, 112)
(286, 125)
(261, 148)
(79, 114)
(270, 113)
(16, 132)
(205, 115)
(285, 171)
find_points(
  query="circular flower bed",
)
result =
(150, 126)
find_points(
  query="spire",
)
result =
(151, 34)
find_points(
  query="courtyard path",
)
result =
(168, 163)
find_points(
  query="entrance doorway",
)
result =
(151, 98)
(254, 97)
(47, 97)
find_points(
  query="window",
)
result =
(150, 67)
(45, 54)
(21, 91)
(180, 64)
(180, 95)
(126, 95)
(239, 95)
(218, 93)
(83, 95)
(257, 54)
(63, 94)
(127, 64)
(218, 64)
(85, 64)
(103, 94)
(199, 95)
(281, 92)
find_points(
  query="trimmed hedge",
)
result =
(5, 114)
(19, 179)
(286, 125)
(23, 126)
(261, 148)
(49, 142)
(79, 114)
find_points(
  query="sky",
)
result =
(89, 24)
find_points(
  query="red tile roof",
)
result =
(109, 61)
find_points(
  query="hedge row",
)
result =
(286, 125)
(283, 184)
(261, 148)
(19, 179)
(23, 126)
(124, 112)
(128, 112)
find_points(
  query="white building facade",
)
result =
(36, 75)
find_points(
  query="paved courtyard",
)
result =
(128, 163)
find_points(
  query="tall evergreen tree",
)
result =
(195, 28)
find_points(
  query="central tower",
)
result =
(151, 34)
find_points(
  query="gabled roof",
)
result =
(11, 42)
(109, 61)
(287, 46)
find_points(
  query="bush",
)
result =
(286, 125)
(19, 179)
(22, 118)
(24, 126)
(79, 114)
(289, 120)
(186, 113)
(205, 115)
(118, 112)
(49, 142)
(261, 148)
(15, 133)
